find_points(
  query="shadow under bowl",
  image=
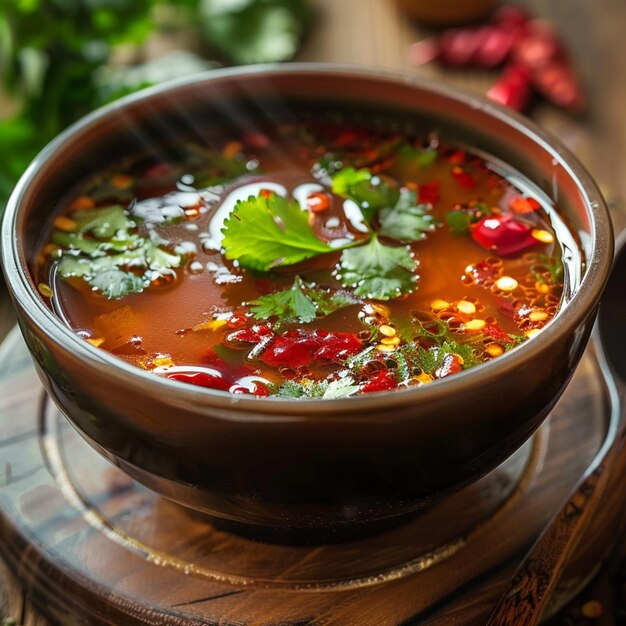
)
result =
(292, 468)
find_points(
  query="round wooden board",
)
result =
(87, 545)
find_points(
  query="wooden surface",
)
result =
(375, 33)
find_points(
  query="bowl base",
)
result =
(84, 543)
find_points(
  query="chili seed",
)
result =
(387, 331)
(381, 347)
(439, 305)
(468, 308)
(592, 609)
(538, 316)
(122, 181)
(506, 283)
(44, 290)
(542, 235)
(475, 325)
(65, 223)
(494, 349)
(390, 341)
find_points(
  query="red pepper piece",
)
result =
(511, 17)
(237, 320)
(383, 380)
(496, 333)
(255, 140)
(459, 46)
(293, 349)
(506, 307)
(457, 157)
(536, 46)
(338, 347)
(429, 193)
(254, 334)
(464, 179)
(521, 205)
(502, 234)
(495, 46)
(424, 51)
(557, 82)
(450, 364)
(260, 389)
(201, 379)
(512, 89)
(318, 202)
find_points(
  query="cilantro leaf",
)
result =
(300, 302)
(265, 232)
(341, 388)
(307, 388)
(458, 222)
(371, 193)
(377, 271)
(290, 304)
(407, 221)
(115, 283)
(102, 223)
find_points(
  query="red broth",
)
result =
(322, 260)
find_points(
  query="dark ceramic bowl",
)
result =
(289, 465)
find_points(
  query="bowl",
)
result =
(303, 468)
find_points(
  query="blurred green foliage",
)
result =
(54, 56)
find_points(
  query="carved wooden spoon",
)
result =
(527, 595)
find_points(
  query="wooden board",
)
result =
(83, 542)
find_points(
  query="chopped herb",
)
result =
(549, 268)
(378, 271)
(458, 222)
(420, 157)
(307, 388)
(115, 283)
(371, 193)
(266, 232)
(104, 252)
(407, 221)
(301, 302)
(289, 305)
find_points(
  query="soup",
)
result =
(317, 259)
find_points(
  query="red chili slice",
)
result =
(521, 205)
(503, 234)
(338, 347)
(254, 334)
(451, 364)
(201, 379)
(429, 192)
(464, 179)
(383, 380)
(496, 333)
(293, 349)
(512, 88)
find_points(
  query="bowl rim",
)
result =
(566, 321)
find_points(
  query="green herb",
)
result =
(407, 221)
(103, 251)
(300, 302)
(409, 155)
(266, 232)
(254, 31)
(547, 269)
(458, 222)
(307, 388)
(288, 305)
(378, 271)
(371, 193)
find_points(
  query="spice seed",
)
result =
(387, 331)
(542, 235)
(538, 316)
(381, 347)
(475, 325)
(439, 305)
(390, 341)
(494, 350)
(506, 283)
(44, 290)
(65, 223)
(468, 308)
